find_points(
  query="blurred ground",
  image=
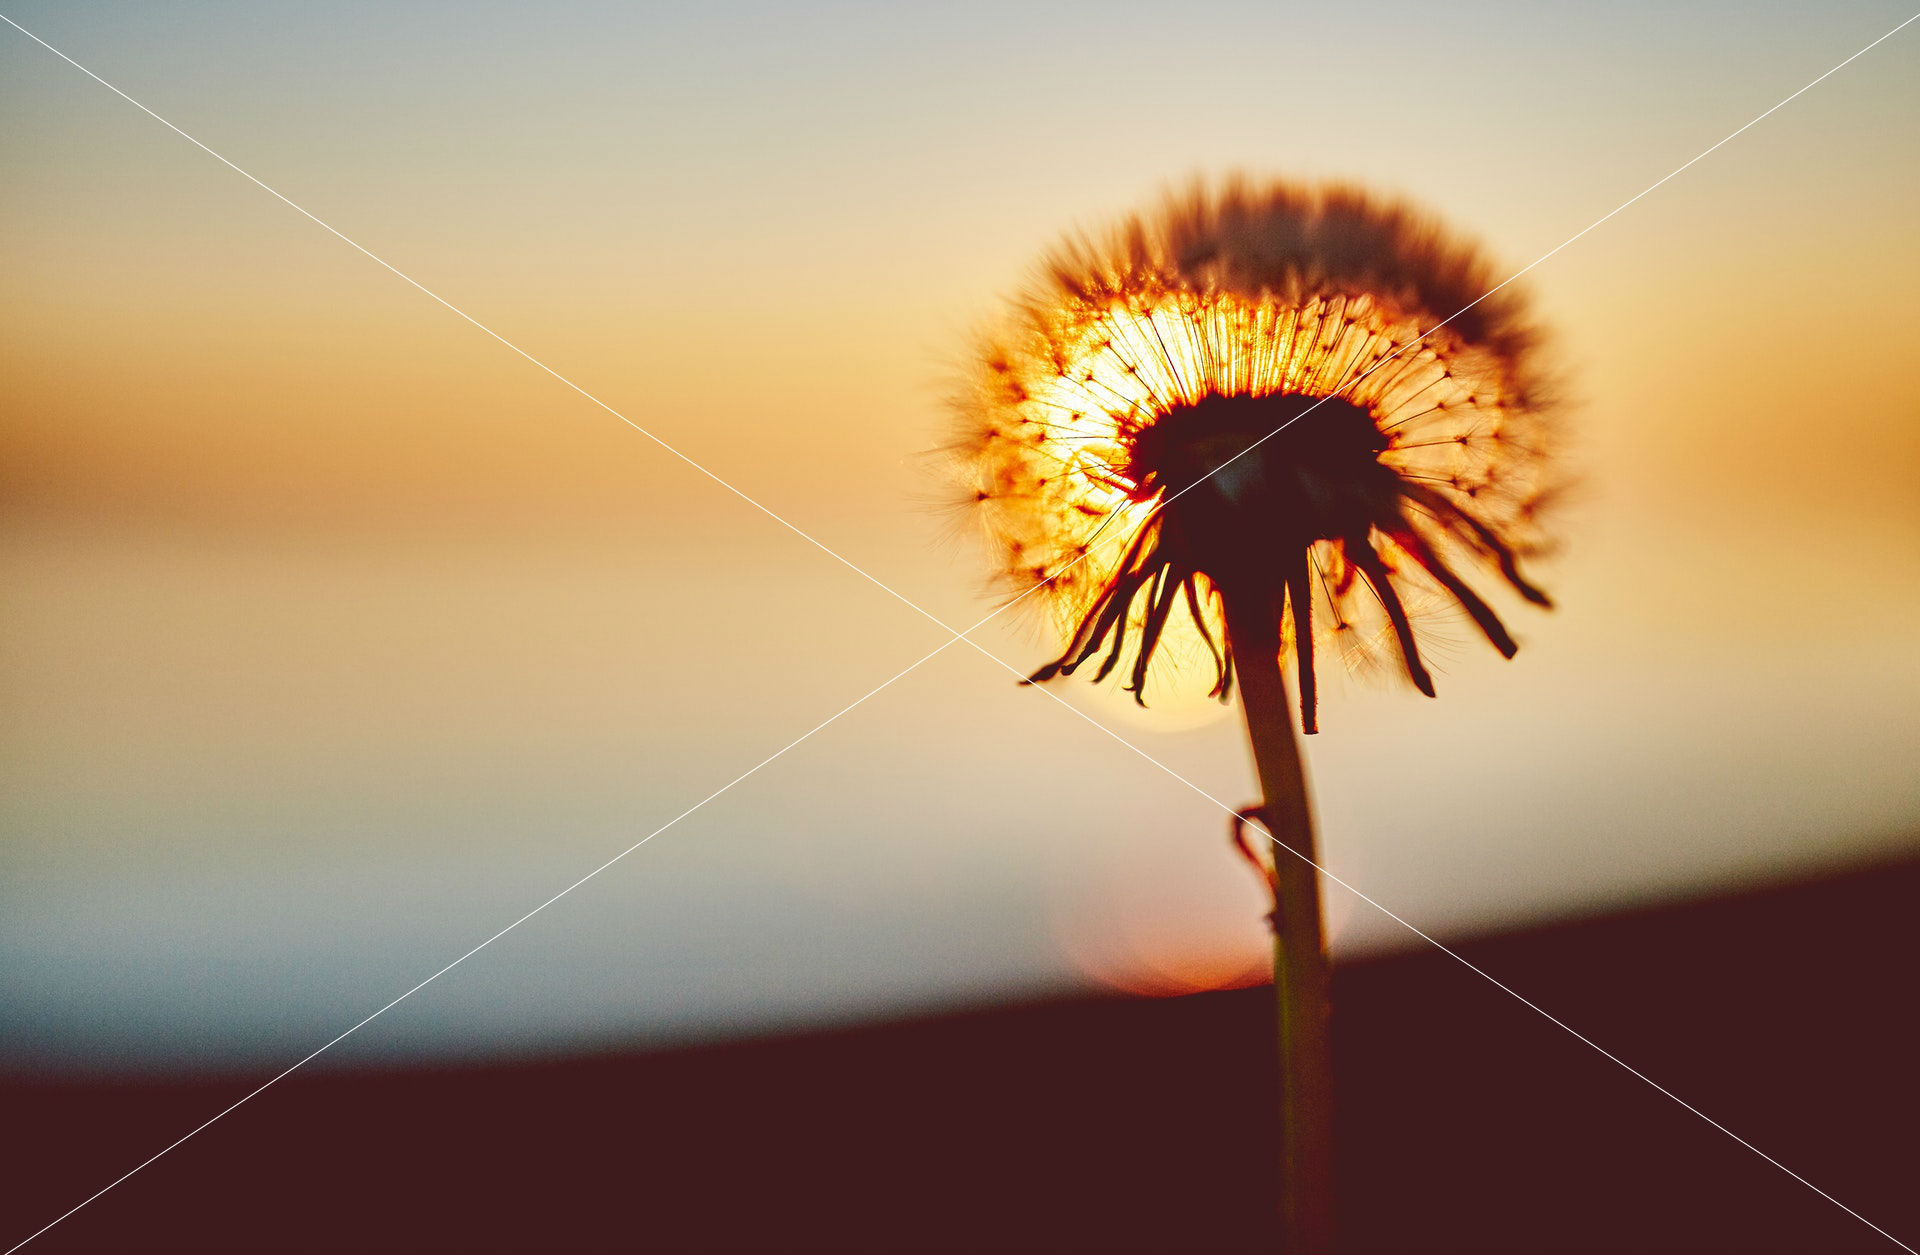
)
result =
(1468, 1122)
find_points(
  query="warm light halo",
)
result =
(1276, 293)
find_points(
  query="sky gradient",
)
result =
(340, 636)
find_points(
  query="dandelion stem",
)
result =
(1300, 972)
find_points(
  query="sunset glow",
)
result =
(338, 635)
(1121, 340)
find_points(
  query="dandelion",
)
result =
(1264, 423)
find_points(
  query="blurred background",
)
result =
(338, 636)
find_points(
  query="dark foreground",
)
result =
(1467, 1121)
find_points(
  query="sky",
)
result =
(340, 635)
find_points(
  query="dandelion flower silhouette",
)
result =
(1233, 396)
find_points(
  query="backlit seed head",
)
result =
(1302, 394)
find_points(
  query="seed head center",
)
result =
(1307, 464)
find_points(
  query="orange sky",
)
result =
(340, 635)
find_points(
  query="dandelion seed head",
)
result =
(1264, 387)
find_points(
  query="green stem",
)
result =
(1300, 972)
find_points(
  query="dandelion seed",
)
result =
(1299, 414)
(1260, 393)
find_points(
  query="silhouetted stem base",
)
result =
(1300, 973)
